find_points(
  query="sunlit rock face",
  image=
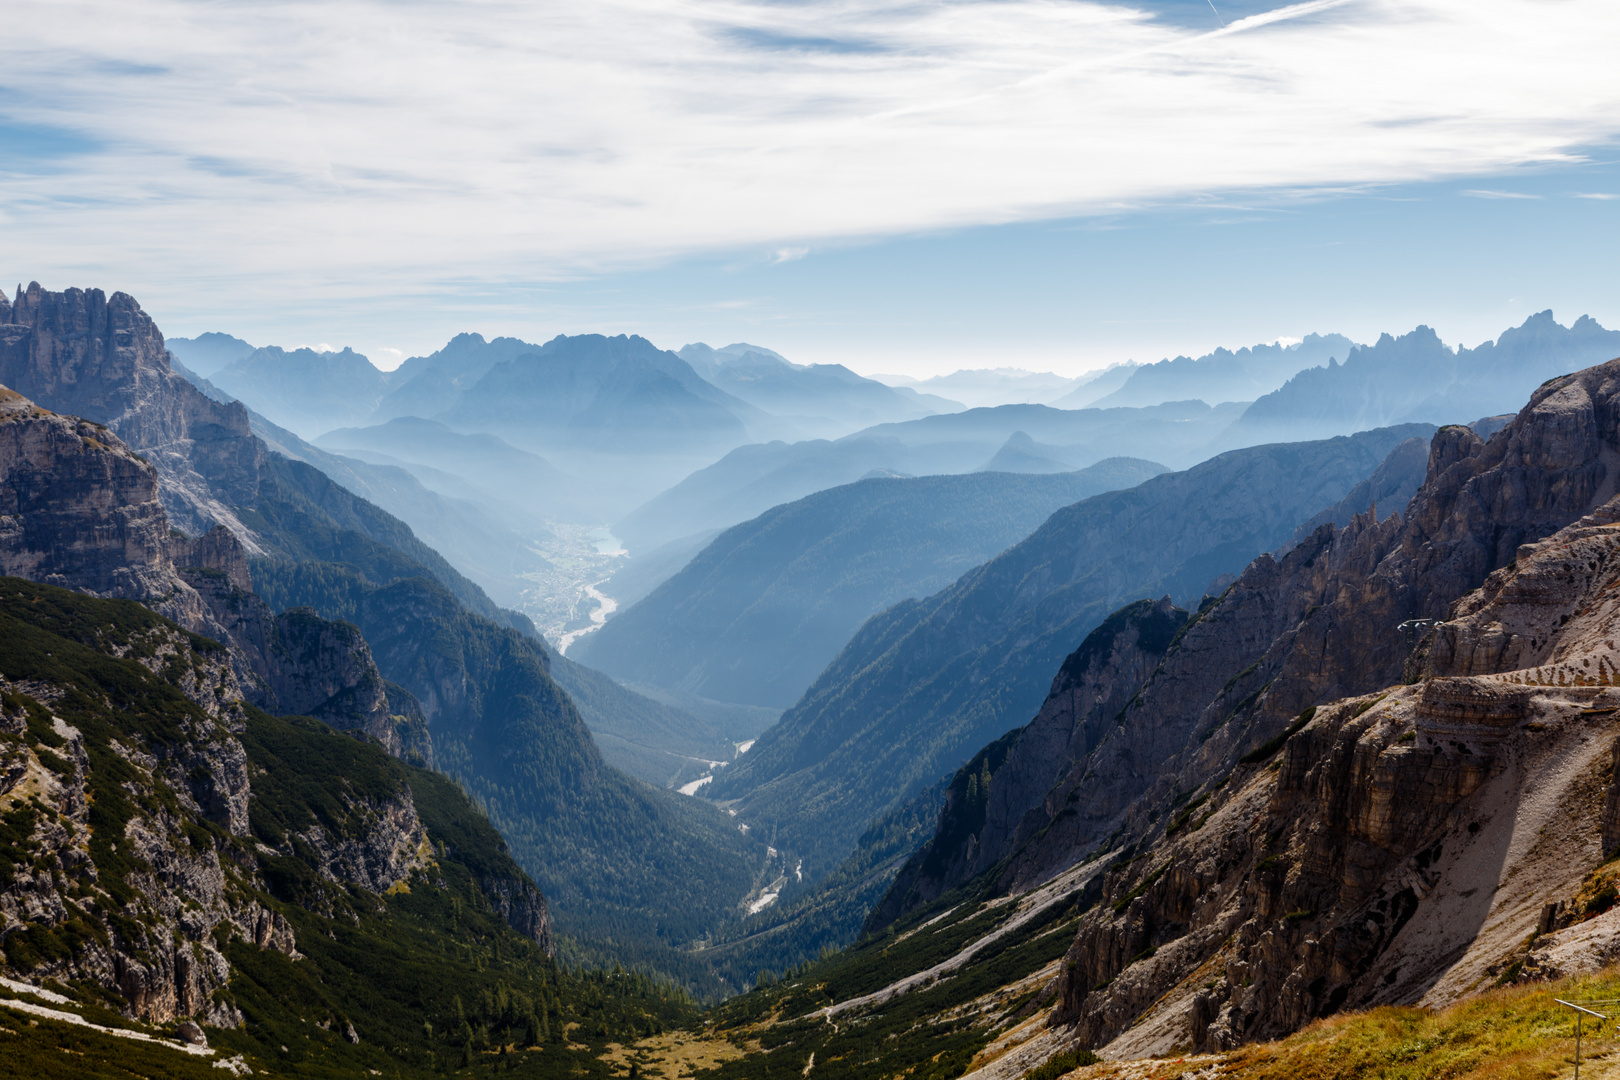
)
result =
(102, 358)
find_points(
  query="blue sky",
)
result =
(907, 187)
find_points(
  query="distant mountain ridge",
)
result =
(753, 478)
(1223, 375)
(303, 390)
(761, 611)
(1416, 378)
(622, 390)
(926, 682)
(822, 399)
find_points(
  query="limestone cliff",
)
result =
(1303, 812)
(1324, 621)
(81, 510)
(1400, 847)
(102, 358)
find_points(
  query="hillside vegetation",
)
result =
(130, 861)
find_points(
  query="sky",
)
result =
(905, 187)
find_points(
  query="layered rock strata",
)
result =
(79, 509)
(1400, 847)
(1336, 616)
(103, 358)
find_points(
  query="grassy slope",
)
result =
(1518, 1033)
(931, 1033)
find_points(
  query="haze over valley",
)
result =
(989, 540)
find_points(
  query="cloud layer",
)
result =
(357, 146)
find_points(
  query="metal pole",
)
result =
(1580, 1013)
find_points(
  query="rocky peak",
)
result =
(80, 510)
(1401, 847)
(102, 358)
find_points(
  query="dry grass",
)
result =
(668, 1057)
(1517, 1033)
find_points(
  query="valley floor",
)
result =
(1512, 1033)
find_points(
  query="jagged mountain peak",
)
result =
(1303, 813)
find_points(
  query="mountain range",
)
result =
(758, 614)
(1416, 377)
(923, 684)
(1222, 375)
(475, 675)
(1299, 729)
(753, 478)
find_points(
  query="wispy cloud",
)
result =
(1486, 193)
(361, 145)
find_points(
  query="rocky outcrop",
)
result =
(980, 821)
(102, 358)
(79, 509)
(388, 848)
(523, 908)
(1323, 817)
(324, 669)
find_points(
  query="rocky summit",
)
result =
(1366, 773)
(179, 863)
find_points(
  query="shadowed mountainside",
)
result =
(760, 612)
(924, 683)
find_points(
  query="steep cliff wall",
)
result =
(1400, 847)
(1323, 622)
(152, 819)
(102, 358)
(79, 509)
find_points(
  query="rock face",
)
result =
(77, 507)
(144, 836)
(103, 359)
(523, 908)
(1303, 812)
(1094, 684)
(1401, 847)
(80, 510)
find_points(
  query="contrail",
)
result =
(1217, 13)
